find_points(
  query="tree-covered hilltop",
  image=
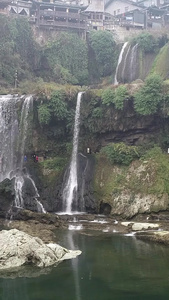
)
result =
(66, 59)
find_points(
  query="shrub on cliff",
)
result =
(147, 99)
(56, 107)
(115, 97)
(121, 153)
(146, 42)
(103, 47)
(66, 59)
(17, 50)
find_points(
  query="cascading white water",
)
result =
(23, 127)
(12, 145)
(119, 61)
(133, 61)
(127, 68)
(40, 207)
(70, 189)
(8, 136)
(125, 62)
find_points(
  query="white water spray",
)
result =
(12, 145)
(70, 189)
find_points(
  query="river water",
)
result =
(111, 267)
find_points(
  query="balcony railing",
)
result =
(60, 14)
(62, 24)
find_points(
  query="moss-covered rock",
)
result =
(141, 187)
(161, 63)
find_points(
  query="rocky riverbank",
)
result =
(46, 226)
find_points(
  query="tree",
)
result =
(146, 100)
(103, 46)
(146, 42)
(68, 53)
(17, 49)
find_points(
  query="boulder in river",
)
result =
(18, 248)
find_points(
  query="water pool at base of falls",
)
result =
(111, 267)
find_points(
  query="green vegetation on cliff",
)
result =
(161, 63)
(144, 177)
(102, 45)
(146, 42)
(18, 50)
(120, 153)
(147, 99)
(65, 59)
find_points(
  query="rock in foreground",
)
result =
(18, 248)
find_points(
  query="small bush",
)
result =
(57, 163)
(121, 153)
(146, 42)
(44, 114)
(120, 95)
(108, 96)
(146, 100)
(115, 97)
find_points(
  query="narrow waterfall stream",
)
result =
(12, 145)
(133, 62)
(71, 185)
(119, 62)
(128, 64)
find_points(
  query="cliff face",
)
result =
(135, 64)
(141, 187)
(96, 131)
(104, 187)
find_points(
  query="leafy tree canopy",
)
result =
(146, 100)
(103, 46)
(68, 53)
(146, 42)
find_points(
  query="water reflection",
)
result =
(14, 290)
(70, 242)
(111, 267)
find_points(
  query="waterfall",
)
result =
(128, 65)
(9, 132)
(125, 63)
(12, 145)
(119, 62)
(133, 62)
(71, 185)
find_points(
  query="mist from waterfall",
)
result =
(12, 145)
(69, 195)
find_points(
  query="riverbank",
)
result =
(153, 227)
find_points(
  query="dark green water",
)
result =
(111, 267)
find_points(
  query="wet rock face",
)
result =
(85, 196)
(28, 194)
(128, 205)
(7, 196)
(85, 173)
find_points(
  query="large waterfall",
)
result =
(128, 64)
(13, 136)
(71, 184)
